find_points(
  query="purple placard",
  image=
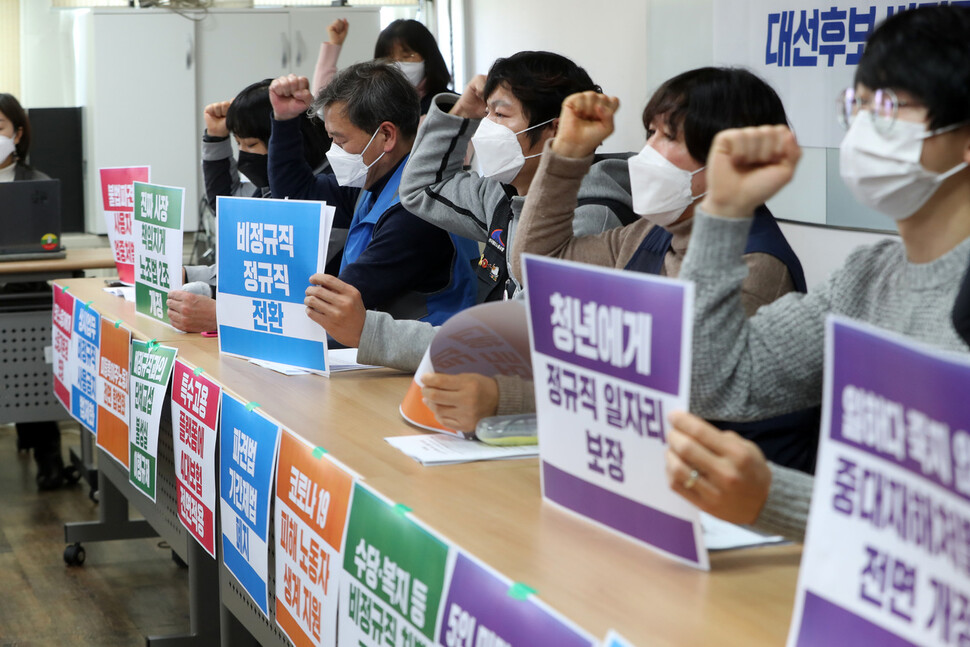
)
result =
(824, 623)
(907, 384)
(664, 304)
(652, 526)
(478, 610)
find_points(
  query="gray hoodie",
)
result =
(435, 188)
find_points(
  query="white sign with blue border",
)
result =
(267, 251)
(248, 449)
(85, 351)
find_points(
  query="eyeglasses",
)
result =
(883, 107)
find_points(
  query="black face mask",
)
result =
(253, 166)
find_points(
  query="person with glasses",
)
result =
(906, 153)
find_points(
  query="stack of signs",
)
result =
(611, 356)
(267, 251)
(113, 390)
(62, 322)
(887, 553)
(151, 368)
(394, 576)
(158, 247)
(247, 458)
(312, 501)
(489, 339)
(85, 352)
(195, 413)
(118, 202)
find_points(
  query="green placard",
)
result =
(158, 247)
(377, 535)
(151, 369)
(158, 205)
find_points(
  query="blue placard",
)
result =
(267, 251)
(86, 345)
(248, 449)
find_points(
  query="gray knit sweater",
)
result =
(771, 363)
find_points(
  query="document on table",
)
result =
(446, 449)
(127, 293)
(721, 535)
(345, 359)
(341, 359)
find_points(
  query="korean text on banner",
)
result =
(479, 611)
(393, 580)
(114, 386)
(62, 316)
(195, 415)
(611, 357)
(489, 339)
(158, 247)
(151, 369)
(118, 204)
(808, 51)
(312, 502)
(85, 353)
(247, 458)
(886, 559)
(268, 249)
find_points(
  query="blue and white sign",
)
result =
(248, 450)
(807, 50)
(85, 351)
(610, 359)
(267, 251)
(887, 553)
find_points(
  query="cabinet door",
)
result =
(308, 28)
(140, 104)
(240, 48)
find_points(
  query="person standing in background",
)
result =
(407, 44)
(43, 437)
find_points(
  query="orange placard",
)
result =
(313, 500)
(114, 390)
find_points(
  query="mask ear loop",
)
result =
(695, 198)
(368, 146)
(548, 121)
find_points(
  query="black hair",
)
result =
(925, 52)
(707, 100)
(372, 93)
(250, 113)
(541, 81)
(13, 111)
(415, 36)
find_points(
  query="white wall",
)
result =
(630, 47)
(47, 57)
(610, 44)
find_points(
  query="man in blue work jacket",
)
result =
(399, 263)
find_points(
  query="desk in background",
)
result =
(492, 510)
(26, 391)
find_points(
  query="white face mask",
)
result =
(414, 71)
(661, 191)
(884, 171)
(498, 154)
(348, 168)
(7, 147)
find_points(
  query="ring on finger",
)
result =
(691, 479)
